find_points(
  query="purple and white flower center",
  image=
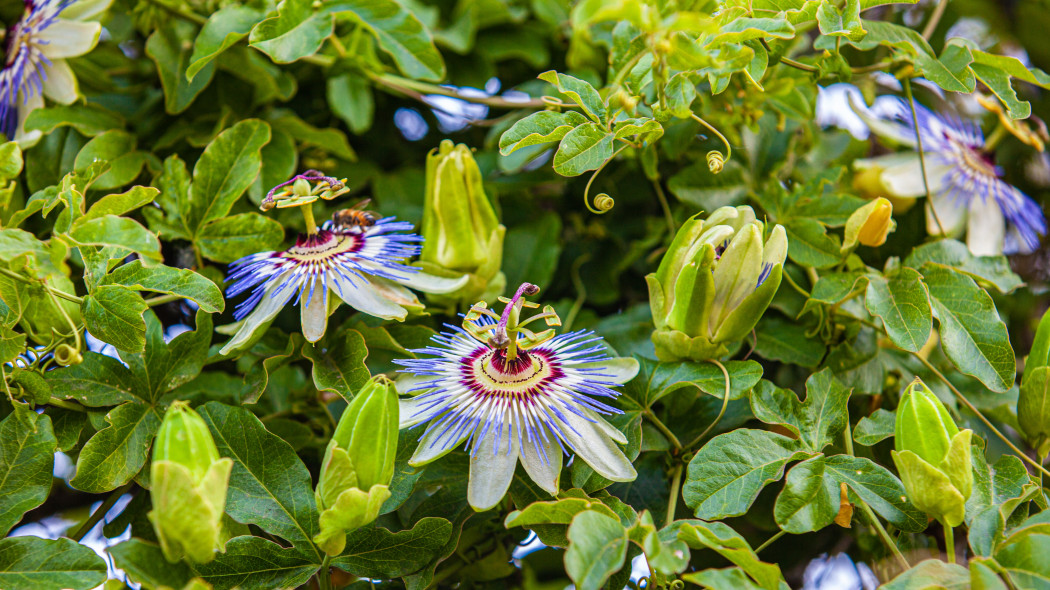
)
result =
(488, 374)
(323, 245)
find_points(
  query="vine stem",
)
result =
(162, 299)
(61, 294)
(725, 403)
(931, 25)
(659, 190)
(959, 396)
(922, 154)
(101, 511)
(949, 541)
(672, 500)
(324, 575)
(663, 429)
(770, 541)
(399, 84)
(879, 529)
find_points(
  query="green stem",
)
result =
(672, 499)
(725, 404)
(770, 541)
(660, 196)
(324, 575)
(931, 25)
(179, 12)
(886, 539)
(68, 405)
(922, 155)
(55, 292)
(663, 429)
(308, 216)
(162, 299)
(101, 511)
(959, 396)
(729, 149)
(949, 541)
(400, 84)
(996, 136)
(795, 285)
(581, 291)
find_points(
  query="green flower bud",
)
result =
(358, 464)
(932, 455)
(462, 233)
(869, 225)
(189, 481)
(1033, 405)
(714, 283)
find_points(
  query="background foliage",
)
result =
(121, 219)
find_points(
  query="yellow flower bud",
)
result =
(869, 225)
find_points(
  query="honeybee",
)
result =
(355, 216)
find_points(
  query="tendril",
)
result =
(602, 201)
(715, 160)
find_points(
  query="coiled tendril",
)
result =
(715, 161)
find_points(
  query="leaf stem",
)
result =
(672, 499)
(949, 541)
(101, 511)
(65, 404)
(770, 541)
(324, 575)
(922, 154)
(795, 285)
(663, 429)
(162, 299)
(42, 283)
(886, 539)
(959, 396)
(725, 404)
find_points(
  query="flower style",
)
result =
(361, 265)
(965, 186)
(513, 394)
(49, 32)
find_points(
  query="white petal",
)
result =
(544, 470)
(620, 369)
(85, 9)
(878, 119)
(314, 311)
(950, 212)
(369, 296)
(904, 179)
(491, 472)
(591, 442)
(24, 139)
(406, 383)
(66, 38)
(986, 227)
(431, 448)
(264, 312)
(60, 84)
(412, 411)
(428, 283)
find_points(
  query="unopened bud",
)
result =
(869, 225)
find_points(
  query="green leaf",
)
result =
(730, 578)
(330, 140)
(811, 496)
(118, 232)
(225, 170)
(27, 459)
(726, 474)
(531, 250)
(350, 98)
(875, 428)
(116, 148)
(597, 549)
(698, 186)
(31, 563)
(341, 368)
(995, 71)
(378, 553)
(270, 486)
(399, 34)
(253, 562)
(903, 304)
(656, 380)
(781, 340)
(296, 32)
(730, 545)
(584, 148)
(997, 491)
(810, 245)
(973, 336)
(816, 421)
(116, 453)
(98, 381)
(994, 270)
(88, 119)
(538, 128)
(234, 237)
(742, 29)
(113, 314)
(1024, 559)
(144, 563)
(913, 45)
(931, 574)
(226, 26)
(843, 22)
(172, 281)
(119, 204)
(555, 512)
(169, 47)
(580, 92)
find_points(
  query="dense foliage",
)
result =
(727, 312)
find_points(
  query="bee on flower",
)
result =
(37, 47)
(967, 192)
(360, 265)
(516, 395)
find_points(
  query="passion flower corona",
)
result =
(513, 394)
